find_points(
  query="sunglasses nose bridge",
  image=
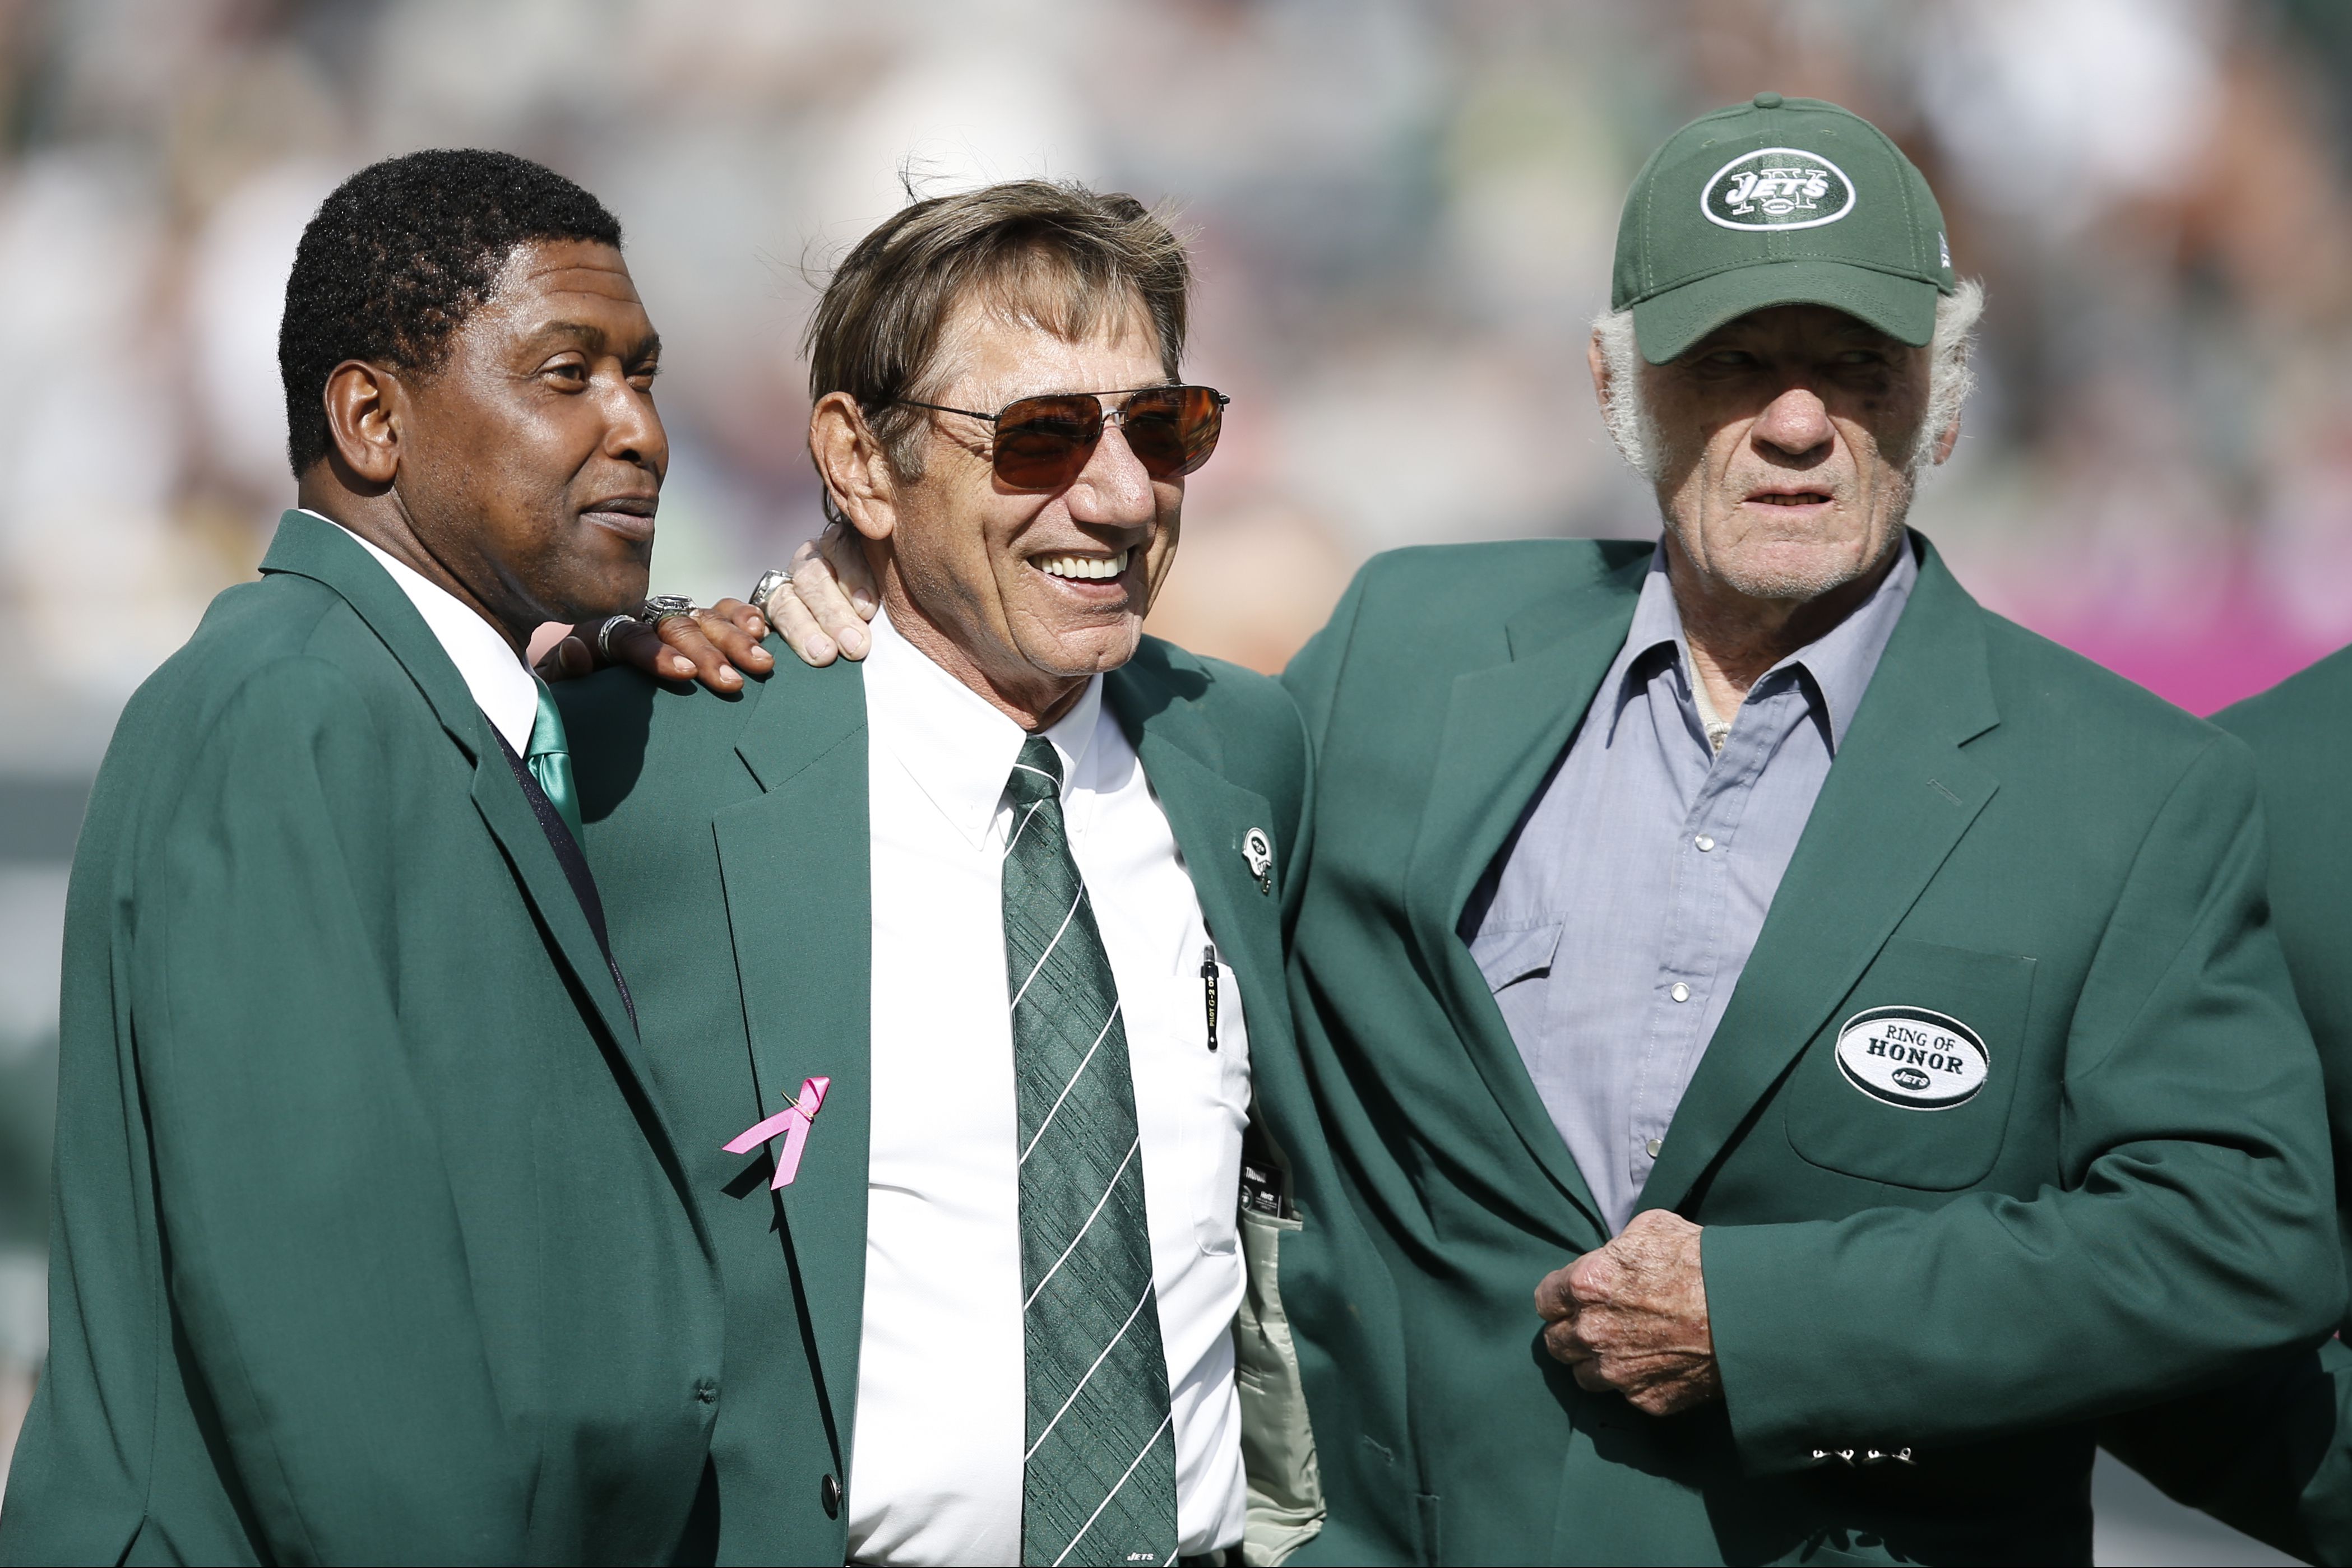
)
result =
(1113, 484)
(1095, 453)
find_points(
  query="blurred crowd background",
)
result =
(1402, 216)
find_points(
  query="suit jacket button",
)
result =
(828, 1493)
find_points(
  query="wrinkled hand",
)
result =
(707, 646)
(1633, 1317)
(832, 597)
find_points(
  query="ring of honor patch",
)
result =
(1776, 188)
(1913, 1058)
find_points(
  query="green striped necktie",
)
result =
(1098, 1482)
(549, 760)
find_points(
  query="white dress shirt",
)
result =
(936, 1470)
(506, 692)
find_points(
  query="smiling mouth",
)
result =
(1083, 568)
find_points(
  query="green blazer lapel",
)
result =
(1504, 727)
(509, 817)
(1211, 817)
(309, 546)
(795, 864)
(1900, 795)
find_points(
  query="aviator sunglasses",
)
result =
(1043, 442)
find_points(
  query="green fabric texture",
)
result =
(549, 760)
(2137, 1204)
(728, 837)
(368, 1245)
(2272, 1455)
(2303, 754)
(1778, 201)
(1098, 1481)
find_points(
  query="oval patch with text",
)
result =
(1910, 1057)
(1776, 188)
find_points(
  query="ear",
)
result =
(849, 461)
(1949, 440)
(363, 420)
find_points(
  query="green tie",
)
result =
(1098, 1481)
(549, 762)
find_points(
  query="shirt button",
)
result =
(1703, 843)
(1653, 1145)
(1679, 992)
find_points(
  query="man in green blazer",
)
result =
(1052, 1283)
(1903, 976)
(369, 1243)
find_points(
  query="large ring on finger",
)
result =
(765, 590)
(661, 607)
(605, 634)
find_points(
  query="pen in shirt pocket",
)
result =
(1209, 989)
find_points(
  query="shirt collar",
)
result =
(1840, 662)
(1842, 659)
(958, 749)
(506, 692)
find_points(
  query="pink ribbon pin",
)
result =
(793, 1123)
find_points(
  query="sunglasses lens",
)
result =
(1043, 442)
(1173, 430)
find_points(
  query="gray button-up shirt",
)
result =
(1616, 924)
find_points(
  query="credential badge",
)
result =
(1910, 1057)
(1258, 849)
(1776, 188)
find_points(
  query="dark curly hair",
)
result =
(400, 254)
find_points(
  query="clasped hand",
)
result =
(821, 614)
(1632, 1317)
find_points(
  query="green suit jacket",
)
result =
(2138, 1200)
(2272, 1454)
(368, 1243)
(731, 838)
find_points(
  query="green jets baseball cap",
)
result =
(1778, 201)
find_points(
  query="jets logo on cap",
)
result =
(1913, 1058)
(1776, 188)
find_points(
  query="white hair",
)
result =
(1949, 380)
(1950, 375)
(1623, 409)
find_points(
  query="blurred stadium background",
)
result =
(1402, 214)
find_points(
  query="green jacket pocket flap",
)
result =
(1910, 1082)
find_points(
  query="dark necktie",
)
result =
(1099, 1480)
(560, 823)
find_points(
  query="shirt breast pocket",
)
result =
(1508, 956)
(1910, 1084)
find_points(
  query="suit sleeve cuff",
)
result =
(1777, 1348)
